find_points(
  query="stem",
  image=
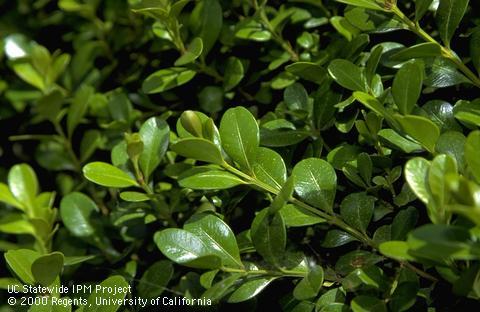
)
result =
(276, 36)
(265, 272)
(447, 52)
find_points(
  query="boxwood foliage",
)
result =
(287, 155)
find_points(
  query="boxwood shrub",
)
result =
(300, 155)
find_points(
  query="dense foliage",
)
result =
(301, 155)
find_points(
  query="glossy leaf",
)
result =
(269, 167)
(46, 268)
(77, 212)
(240, 136)
(310, 285)
(335, 238)
(362, 3)
(23, 184)
(166, 79)
(249, 289)
(315, 182)
(421, 50)
(155, 279)
(192, 52)
(421, 7)
(155, 137)
(184, 247)
(407, 86)
(449, 15)
(308, 71)
(347, 74)
(295, 216)
(20, 261)
(199, 149)
(234, 73)
(420, 129)
(218, 236)
(269, 236)
(208, 179)
(416, 171)
(116, 298)
(472, 148)
(108, 175)
(357, 210)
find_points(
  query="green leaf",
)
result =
(77, 259)
(283, 196)
(7, 197)
(308, 71)
(77, 211)
(20, 261)
(269, 236)
(269, 167)
(392, 139)
(335, 238)
(372, 103)
(16, 223)
(472, 146)
(155, 279)
(426, 49)
(421, 7)
(315, 182)
(449, 15)
(467, 112)
(295, 216)
(441, 166)
(368, 304)
(441, 113)
(372, 64)
(407, 86)
(441, 243)
(404, 297)
(421, 129)
(368, 4)
(357, 210)
(217, 236)
(249, 289)
(234, 73)
(166, 79)
(46, 268)
(475, 48)
(193, 51)
(253, 30)
(441, 74)
(221, 288)
(107, 175)
(78, 108)
(206, 21)
(199, 149)
(397, 250)
(184, 247)
(211, 99)
(155, 137)
(116, 299)
(92, 139)
(134, 196)
(452, 143)
(403, 223)
(310, 285)
(208, 179)
(23, 184)
(240, 136)
(296, 97)
(347, 74)
(416, 173)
